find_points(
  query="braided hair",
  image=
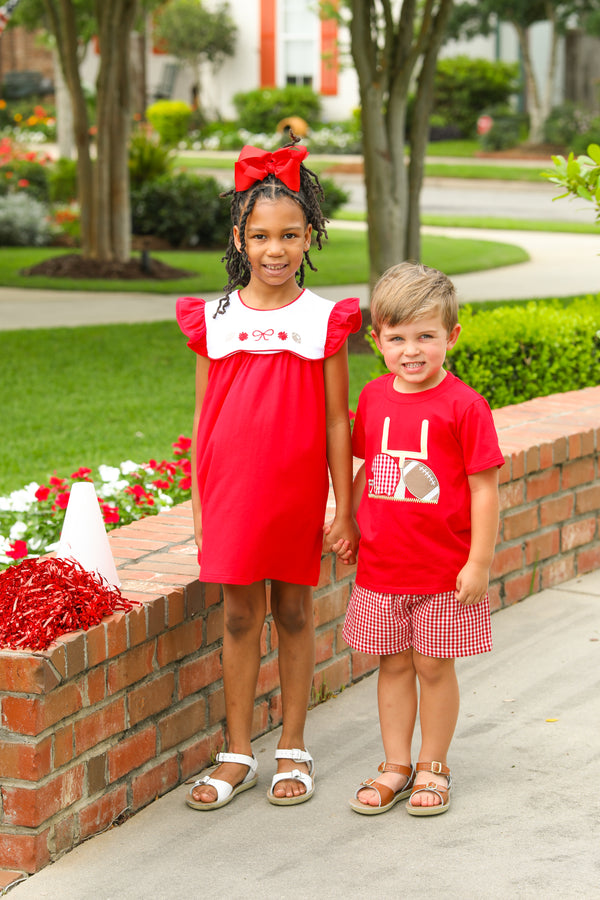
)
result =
(310, 196)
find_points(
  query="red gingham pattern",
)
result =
(432, 624)
(386, 475)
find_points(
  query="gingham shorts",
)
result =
(432, 624)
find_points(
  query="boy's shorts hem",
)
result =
(432, 624)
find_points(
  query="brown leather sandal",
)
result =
(436, 768)
(387, 797)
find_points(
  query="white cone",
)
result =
(83, 536)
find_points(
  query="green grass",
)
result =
(344, 260)
(486, 171)
(84, 396)
(442, 221)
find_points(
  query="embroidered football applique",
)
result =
(296, 337)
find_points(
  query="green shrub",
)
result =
(23, 221)
(148, 159)
(464, 87)
(62, 181)
(565, 122)
(170, 119)
(183, 209)
(507, 129)
(261, 110)
(335, 197)
(515, 353)
(23, 170)
(581, 142)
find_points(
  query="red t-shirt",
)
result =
(415, 513)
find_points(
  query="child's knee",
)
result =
(292, 610)
(432, 668)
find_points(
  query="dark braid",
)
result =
(309, 197)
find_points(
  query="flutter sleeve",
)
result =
(345, 319)
(190, 318)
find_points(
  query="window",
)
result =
(299, 42)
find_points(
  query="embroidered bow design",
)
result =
(263, 334)
(254, 165)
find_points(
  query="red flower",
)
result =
(182, 445)
(282, 335)
(42, 493)
(243, 335)
(18, 550)
(62, 500)
(81, 474)
(185, 483)
(162, 484)
(58, 482)
(22, 182)
(110, 514)
(141, 496)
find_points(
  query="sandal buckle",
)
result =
(436, 768)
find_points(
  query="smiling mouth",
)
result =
(277, 268)
(413, 365)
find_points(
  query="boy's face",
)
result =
(415, 352)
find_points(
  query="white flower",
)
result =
(17, 531)
(129, 466)
(108, 473)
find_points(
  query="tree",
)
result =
(481, 17)
(195, 35)
(395, 47)
(103, 184)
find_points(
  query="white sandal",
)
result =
(225, 791)
(306, 779)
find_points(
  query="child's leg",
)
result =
(397, 703)
(292, 608)
(438, 712)
(245, 609)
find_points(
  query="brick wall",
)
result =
(22, 50)
(106, 720)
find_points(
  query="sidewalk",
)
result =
(560, 265)
(524, 820)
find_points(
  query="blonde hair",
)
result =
(412, 291)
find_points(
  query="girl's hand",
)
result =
(472, 583)
(341, 536)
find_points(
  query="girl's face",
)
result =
(277, 236)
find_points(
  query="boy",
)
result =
(427, 508)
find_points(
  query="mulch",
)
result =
(73, 265)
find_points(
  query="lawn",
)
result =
(343, 260)
(83, 396)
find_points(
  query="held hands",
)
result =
(472, 583)
(341, 537)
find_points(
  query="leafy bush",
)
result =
(506, 131)
(335, 197)
(464, 87)
(23, 221)
(148, 159)
(565, 122)
(27, 176)
(262, 109)
(170, 119)
(183, 209)
(515, 353)
(62, 181)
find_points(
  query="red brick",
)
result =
(30, 807)
(515, 525)
(136, 622)
(97, 773)
(362, 664)
(212, 593)
(156, 616)
(542, 485)
(199, 673)
(26, 674)
(546, 455)
(275, 710)
(260, 719)
(542, 546)
(512, 494)
(116, 634)
(27, 852)
(588, 560)
(57, 658)
(99, 725)
(325, 571)
(95, 682)
(268, 677)
(154, 783)
(216, 706)
(559, 570)
(579, 472)
(64, 835)
(131, 753)
(182, 724)
(334, 675)
(558, 509)
(588, 499)
(575, 534)
(175, 610)
(195, 600)
(521, 586)
(74, 644)
(179, 642)
(214, 625)
(102, 812)
(532, 459)
(517, 464)
(331, 605)
(8, 877)
(31, 716)
(28, 761)
(150, 698)
(494, 597)
(63, 746)
(324, 645)
(132, 666)
(95, 642)
(507, 559)
(198, 755)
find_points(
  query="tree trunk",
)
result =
(534, 106)
(64, 111)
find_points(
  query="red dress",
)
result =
(262, 465)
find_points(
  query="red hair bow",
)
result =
(254, 165)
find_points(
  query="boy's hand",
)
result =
(341, 537)
(472, 583)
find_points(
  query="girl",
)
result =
(271, 413)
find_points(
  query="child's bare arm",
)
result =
(339, 454)
(473, 579)
(342, 548)
(202, 366)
